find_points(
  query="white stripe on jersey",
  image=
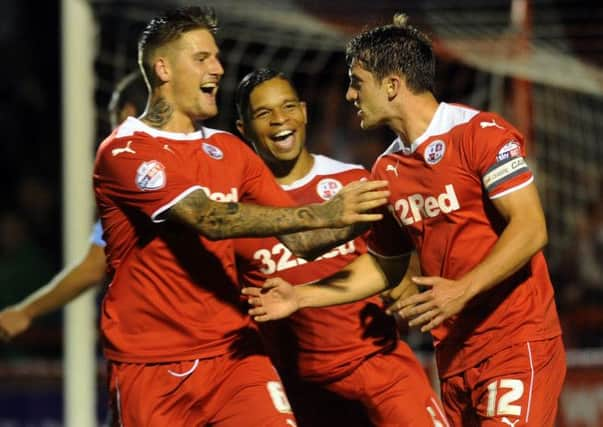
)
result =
(118, 403)
(323, 165)
(447, 116)
(531, 382)
(132, 124)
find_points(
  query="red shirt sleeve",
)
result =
(134, 173)
(496, 151)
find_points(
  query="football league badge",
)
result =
(150, 175)
(510, 149)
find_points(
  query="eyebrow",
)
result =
(205, 53)
(264, 107)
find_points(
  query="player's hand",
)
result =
(12, 322)
(443, 299)
(405, 289)
(276, 299)
(355, 201)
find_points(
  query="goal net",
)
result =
(558, 104)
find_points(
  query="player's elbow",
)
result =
(300, 251)
(211, 233)
(542, 237)
(536, 236)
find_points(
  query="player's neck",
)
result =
(415, 114)
(299, 169)
(161, 113)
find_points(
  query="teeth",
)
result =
(208, 87)
(283, 134)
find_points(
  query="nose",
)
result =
(216, 67)
(350, 94)
(277, 116)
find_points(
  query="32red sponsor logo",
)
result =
(279, 257)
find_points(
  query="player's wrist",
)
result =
(301, 297)
(321, 215)
(28, 312)
(470, 289)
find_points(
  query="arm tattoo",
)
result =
(159, 113)
(218, 220)
(313, 243)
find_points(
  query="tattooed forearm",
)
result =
(216, 220)
(159, 113)
(313, 243)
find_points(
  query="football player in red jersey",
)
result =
(352, 350)
(463, 196)
(181, 349)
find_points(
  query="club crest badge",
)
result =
(327, 188)
(150, 176)
(434, 152)
(212, 151)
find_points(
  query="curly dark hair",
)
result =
(395, 48)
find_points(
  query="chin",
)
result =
(286, 156)
(364, 125)
(208, 113)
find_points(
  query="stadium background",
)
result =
(539, 63)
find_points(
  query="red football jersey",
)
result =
(441, 190)
(174, 294)
(331, 341)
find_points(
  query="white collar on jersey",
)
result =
(445, 118)
(132, 124)
(323, 165)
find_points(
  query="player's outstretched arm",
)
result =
(366, 275)
(63, 288)
(218, 220)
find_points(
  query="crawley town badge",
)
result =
(434, 152)
(327, 188)
(150, 176)
(212, 151)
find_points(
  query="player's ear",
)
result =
(161, 69)
(393, 83)
(304, 109)
(240, 127)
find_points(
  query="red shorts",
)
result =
(518, 387)
(394, 389)
(222, 391)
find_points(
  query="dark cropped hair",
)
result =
(246, 86)
(395, 48)
(169, 27)
(131, 89)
